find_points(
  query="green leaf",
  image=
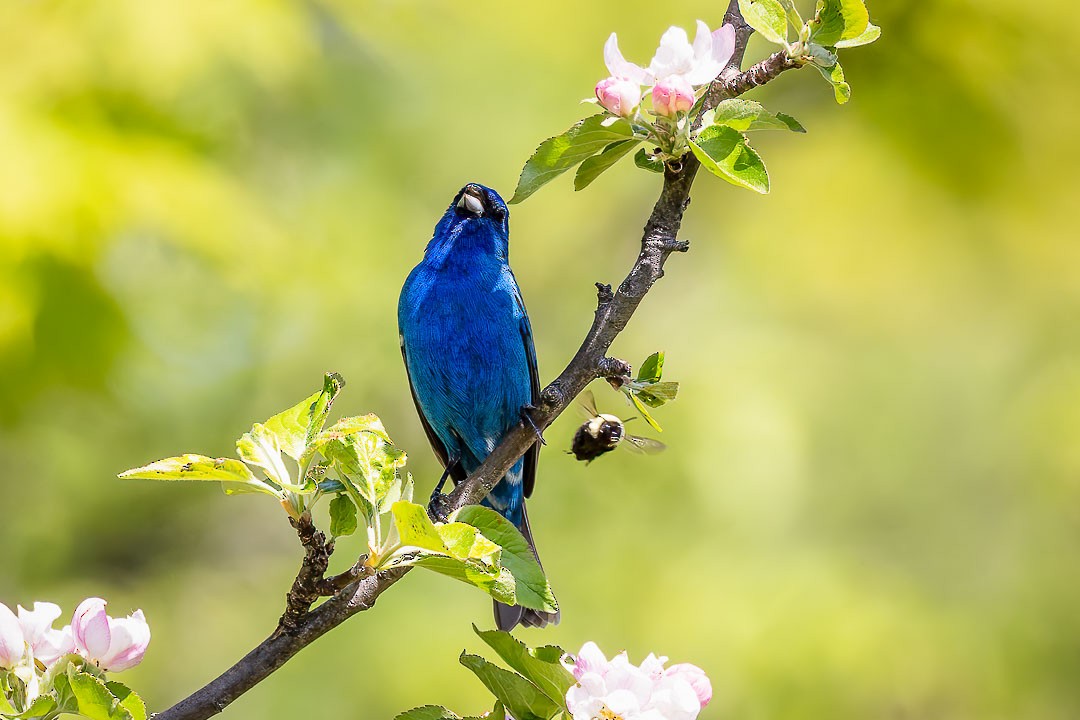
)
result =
(835, 76)
(436, 712)
(94, 699)
(644, 411)
(542, 667)
(42, 706)
(295, 429)
(497, 582)
(350, 426)
(368, 466)
(725, 153)
(657, 394)
(292, 432)
(647, 161)
(531, 586)
(415, 527)
(838, 20)
(520, 697)
(6, 708)
(558, 154)
(457, 540)
(342, 516)
(200, 467)
(792, 13)
(129, 700)
(652, 368)
(872, 33)
(591, 168)
(768, 17)
(464, 542)
(746, 115)
(428, 712)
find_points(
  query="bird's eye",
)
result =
(499, 213)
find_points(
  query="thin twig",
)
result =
(305, 589)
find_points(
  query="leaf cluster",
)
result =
(534, 688)
(648, 390)
(71, 686)
(836, 24)
(296, 459)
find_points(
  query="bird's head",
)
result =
(477, 218)
(476, 203)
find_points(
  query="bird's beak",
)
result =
(470, 202)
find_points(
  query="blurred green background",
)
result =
(870, 507)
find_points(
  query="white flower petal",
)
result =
(675, 699)
(675, 56)
(619, 66)
(654, 666)
(630, 678)
(590, 659)
(623, 703)
(703, 41)
(54, 645)
(37, 621)
(585, 699)
(130, 637)
(12, 642)
(723, 44)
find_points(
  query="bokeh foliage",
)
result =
(869, 507)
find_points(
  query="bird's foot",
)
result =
(526, 418)
(439, 507)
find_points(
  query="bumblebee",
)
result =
(602, 433)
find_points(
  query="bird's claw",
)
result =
(526, 418)
(439, 507)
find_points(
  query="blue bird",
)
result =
(469, 355)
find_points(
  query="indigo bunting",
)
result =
(469, 355)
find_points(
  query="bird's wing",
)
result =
(532, 456)
(457, 473)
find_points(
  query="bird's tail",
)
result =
(508, 616)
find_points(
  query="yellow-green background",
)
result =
(870, 507)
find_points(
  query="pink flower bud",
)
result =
(113, 643)
(697, 679)
(90, 628)
(618, 95)
(672, 95)
(12, 643)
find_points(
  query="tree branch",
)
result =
(306, 587)
(613, 312)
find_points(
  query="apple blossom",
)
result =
(12, 641)
(618, 95)
(697, 64)
(619, 690)
(114, 644)
(37, 626)
(672, 95)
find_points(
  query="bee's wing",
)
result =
(642, 445)
(587, 409)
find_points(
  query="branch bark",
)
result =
(614, 310)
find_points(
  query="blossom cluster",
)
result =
(112, 644)
(672, 79)
(616, 689)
